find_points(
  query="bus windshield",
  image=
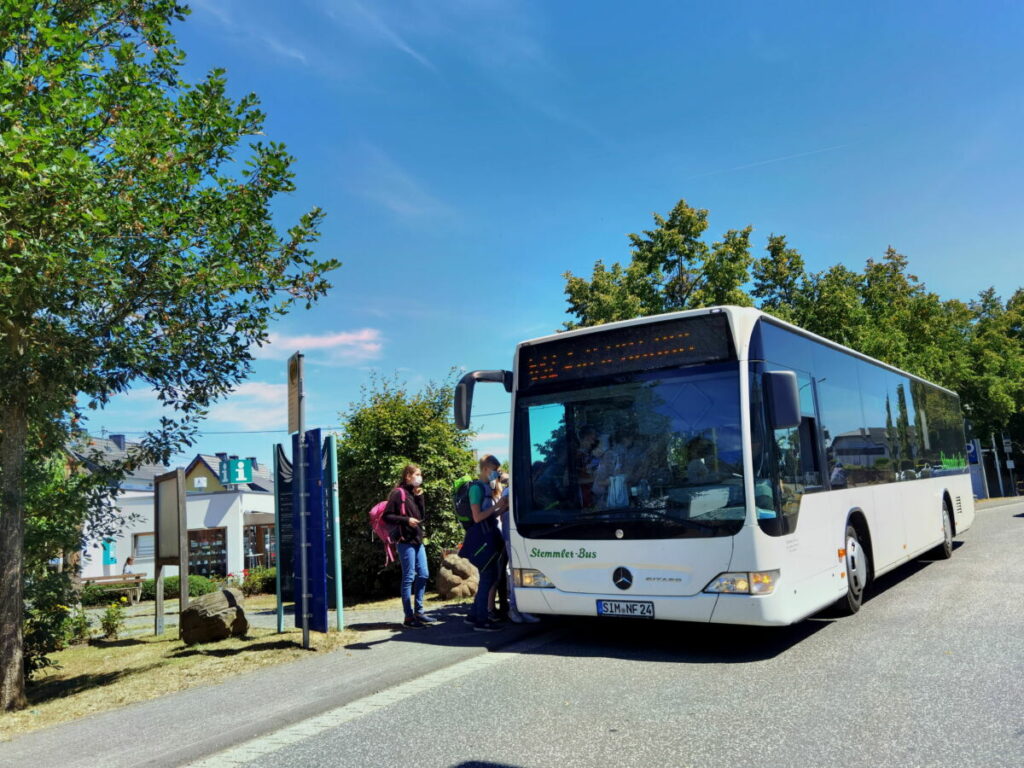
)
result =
(652, 455)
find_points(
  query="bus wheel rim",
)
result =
(856, 567)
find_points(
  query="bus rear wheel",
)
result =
(857, 571)
(945, 550)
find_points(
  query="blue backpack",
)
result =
(460, 500)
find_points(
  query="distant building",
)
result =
(230, 527)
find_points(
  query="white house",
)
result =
(230, 527)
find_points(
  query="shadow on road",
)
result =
(671, 642)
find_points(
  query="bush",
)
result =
(197, 585)
(77, 628)
(112, 620)
(46, 609)
(259, 581)
(382, 433)
(93, 594)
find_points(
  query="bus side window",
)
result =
(797, 453)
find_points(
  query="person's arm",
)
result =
(476, 500)
(394, 513)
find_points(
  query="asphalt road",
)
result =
(927, 674)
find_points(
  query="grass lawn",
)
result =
(107, 674)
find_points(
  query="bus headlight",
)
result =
(753, 583)
(530, 577)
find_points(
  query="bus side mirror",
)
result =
(783, 398)
(464, 392)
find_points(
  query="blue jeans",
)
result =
(488, 577)
(414, 575)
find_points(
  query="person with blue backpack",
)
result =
(406, 511)
(483, 545)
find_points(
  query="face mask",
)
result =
(417, 482)
(493, 477)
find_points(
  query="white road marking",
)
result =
(292, 734)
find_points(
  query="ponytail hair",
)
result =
(406, 477)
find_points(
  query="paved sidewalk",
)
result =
(185, 726)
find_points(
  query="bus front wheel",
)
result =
(857, 570)
(945, 550)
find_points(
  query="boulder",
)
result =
(457, 577)
(213, 617)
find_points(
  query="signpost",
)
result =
(314, 581)
(296, 424)
(306, 518)
(334, 548)
(171, 526)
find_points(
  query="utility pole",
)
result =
(999, 470)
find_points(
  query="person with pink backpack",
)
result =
(406, 511)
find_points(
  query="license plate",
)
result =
(635, 609)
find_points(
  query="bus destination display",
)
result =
(641, 347)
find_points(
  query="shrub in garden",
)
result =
(197, 585)
(76, 628)
(112, 620)
(92, 594)
(48, 598)
(259, 581)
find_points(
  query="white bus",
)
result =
(720, 465)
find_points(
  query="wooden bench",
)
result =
(131, 583)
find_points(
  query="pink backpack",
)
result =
(385, 531)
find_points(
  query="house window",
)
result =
(208, 552)
(145, 544)
(259, 545)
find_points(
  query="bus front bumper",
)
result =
(757, 610)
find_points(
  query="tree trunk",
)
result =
(14, 425)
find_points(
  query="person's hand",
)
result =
(414, 522)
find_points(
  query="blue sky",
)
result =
(469, 152)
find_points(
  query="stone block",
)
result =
(457, 577)
(216, 616)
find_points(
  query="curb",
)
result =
(1004, 501)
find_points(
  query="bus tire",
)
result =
(945, 550)
(858, 570)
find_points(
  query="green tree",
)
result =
(386, 429)
(136, 242)
(780, 280)
(994, 391)
(671, 269)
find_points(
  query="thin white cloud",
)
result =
(253, 405)
(383, 181)
(285, 50)
(261, 391)
(245, 29)
(491, 437)
(377, 26)
(338, 348)
(767, 162)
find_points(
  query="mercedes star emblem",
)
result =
(622, 578)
